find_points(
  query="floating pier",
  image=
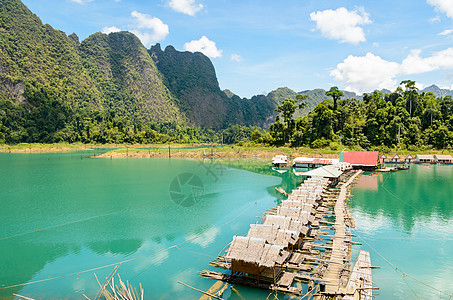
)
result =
(290, 245)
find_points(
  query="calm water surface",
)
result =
(62, 215)
(405, 220)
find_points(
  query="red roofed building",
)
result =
(361, 159)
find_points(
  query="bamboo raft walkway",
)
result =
(290, 245)
(341, 242)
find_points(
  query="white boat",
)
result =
(280, 161)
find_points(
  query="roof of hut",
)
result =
(294, 212)
(360, 158)
(326, 172)
(273, 235)
(286, 223)
(424, 156)
(443, 157)
(253, 250)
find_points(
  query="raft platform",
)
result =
(290, 245)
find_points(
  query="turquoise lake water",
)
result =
(404, 219)
(64, 218)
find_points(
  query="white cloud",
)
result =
(188, 7)
(446, 32)
(436, 19)
(414, 64)
(445, 6)
(81, 1)
(341, 24)
(144, 21)
(205, 46)
(366, 73)
(236, 57)
(108, 30)
(419, 85)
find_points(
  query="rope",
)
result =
(117, 263)
(411, 289)
(199, 253)
(405, 202)
(399, 270)
(56, 226)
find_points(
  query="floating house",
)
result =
(275, 236)
(408, 159)
(383, 158)
(309, 162)
(365, 160)
(424, 158)
(343, 166)
(443, 159)
(395, 158)
(330, 172)
(255, 257)
(280, 161)
(287, 223)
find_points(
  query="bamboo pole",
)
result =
(206, 293)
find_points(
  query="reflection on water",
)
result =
(63, 215)
(405, 220)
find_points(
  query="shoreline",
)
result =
(190, 151)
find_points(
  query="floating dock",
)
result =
(291, 245)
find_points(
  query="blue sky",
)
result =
(258, 46)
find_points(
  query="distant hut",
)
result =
(408, 159)
(383, 158)
(366, 160)
(287, 223)
(330, 172)
(280, 161)
(275, 236)
(253, 256)
(310, 162)
(424, 159)
(443, 159)
(395, 158)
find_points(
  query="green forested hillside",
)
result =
(110, 89)
(53, 88)
(405, 118)
(192, 79)
(128, 78)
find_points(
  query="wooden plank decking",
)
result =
(341, 242)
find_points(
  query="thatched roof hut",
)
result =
(273, 235)
(286, 223)
(256, 251)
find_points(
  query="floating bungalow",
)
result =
(309, 162)
(365, 160)
(408, 159)
(255, 257)
(289, 239)
(395, 158)
(383, 158)
(282, 249)
(330, 172)
(280, 161)
(424, 159)
(287, 223)
(443, 159)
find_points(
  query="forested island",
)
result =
(110, 89)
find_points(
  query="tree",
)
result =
(287, 109)
(410, 93)
(336, 94)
